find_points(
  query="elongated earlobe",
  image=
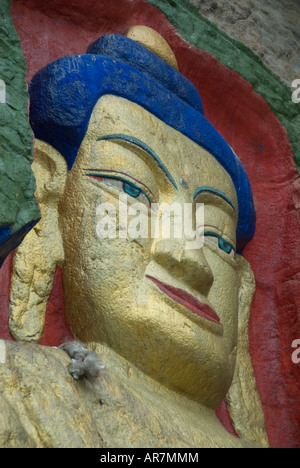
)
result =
(243, 399)
(41, 251)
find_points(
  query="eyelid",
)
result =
(140, 144)
(217, 193)
(205, 226)
(97, 175)
(217, 236)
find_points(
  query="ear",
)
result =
(41, 251)
(243, 399)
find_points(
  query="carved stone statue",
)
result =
(169, 322)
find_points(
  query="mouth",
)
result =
(187, 300)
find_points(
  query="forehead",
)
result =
(185, 159)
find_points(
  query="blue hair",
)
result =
(64, 93)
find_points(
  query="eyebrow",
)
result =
(216, 192)
(143, 146)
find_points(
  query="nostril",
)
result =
(190, 267)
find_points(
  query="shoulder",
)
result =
(41, 405)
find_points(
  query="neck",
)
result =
(187, 421)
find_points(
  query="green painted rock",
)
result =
(18, 208)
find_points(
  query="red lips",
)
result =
(187, 300)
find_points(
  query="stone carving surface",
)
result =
(107, 124)
(65, 249)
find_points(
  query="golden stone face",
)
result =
(133, 294)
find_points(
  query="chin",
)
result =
(176, 352)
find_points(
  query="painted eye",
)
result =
(225, 246)
(127, 187)
(220, 242)
(131, 190)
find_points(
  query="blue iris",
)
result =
(224, 245)
(128, 187)
(131, 190)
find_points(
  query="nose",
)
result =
(188, 265)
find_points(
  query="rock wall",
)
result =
(270, 28)
(200, 32)
(18, 209)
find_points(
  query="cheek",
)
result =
(100, 264)
(224, 295)
(94, 218)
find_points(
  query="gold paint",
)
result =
(124, 408)
(167, 369)
(243, 400)
(41, 251)
(154, 42)
(143, 324)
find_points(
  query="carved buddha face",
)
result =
(170, 310)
